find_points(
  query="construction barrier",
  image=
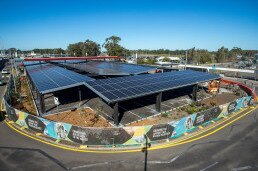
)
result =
(125, 136)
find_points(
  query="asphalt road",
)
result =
(232, 148)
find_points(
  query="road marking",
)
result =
(165, 162)
(83, 146)
(242, 168)
(172, 144)
(208, 167)
(22, 128)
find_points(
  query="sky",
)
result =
(142, 24)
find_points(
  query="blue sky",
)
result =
(178, 24)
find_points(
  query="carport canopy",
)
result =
(124, 88)
(50, 78)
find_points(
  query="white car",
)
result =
(5, 71)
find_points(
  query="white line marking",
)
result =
(208, 167)
(242, 168)
(165, 162)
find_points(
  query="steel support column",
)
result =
(194, 95)
(42, 103)
(158, 102)
(116, 114)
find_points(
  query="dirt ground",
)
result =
(178, 113)
(221, 99)
(26, 104)
(81, 117)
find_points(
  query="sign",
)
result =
(35, 124)
(98, 136)
(232, 107)
(160, 132)
(56, 101)
(207, 115)
(11, 113)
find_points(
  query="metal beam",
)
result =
(72, 58)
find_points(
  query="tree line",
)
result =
(112, 47)
(91, 48)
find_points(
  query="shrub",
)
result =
(164, 114)
(213, 102)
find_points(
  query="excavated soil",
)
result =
(26, 104)
(81, 117)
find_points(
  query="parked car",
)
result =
(5, 71)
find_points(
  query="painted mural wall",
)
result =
(126, 135)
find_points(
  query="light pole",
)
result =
(145, 150)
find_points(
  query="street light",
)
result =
(145, 150)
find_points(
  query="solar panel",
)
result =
(123, 88)
(49, 78)
(110, 68)
(27, 63)
(67, 61)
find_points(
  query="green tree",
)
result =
(222, 54)
(113, 47)
(204, 56)
(151, 61)
(75, 49)
(191, 55)
(166, 59)
(140, 61)
(234, 52)
(91, 48)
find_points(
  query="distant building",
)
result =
(239, 56)
(172, 61)
(256, 57)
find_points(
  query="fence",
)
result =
(126, 136)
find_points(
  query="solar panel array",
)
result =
(68, 61)
(49, 78)
(110, 68)
(27, 63)
(123, 88)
